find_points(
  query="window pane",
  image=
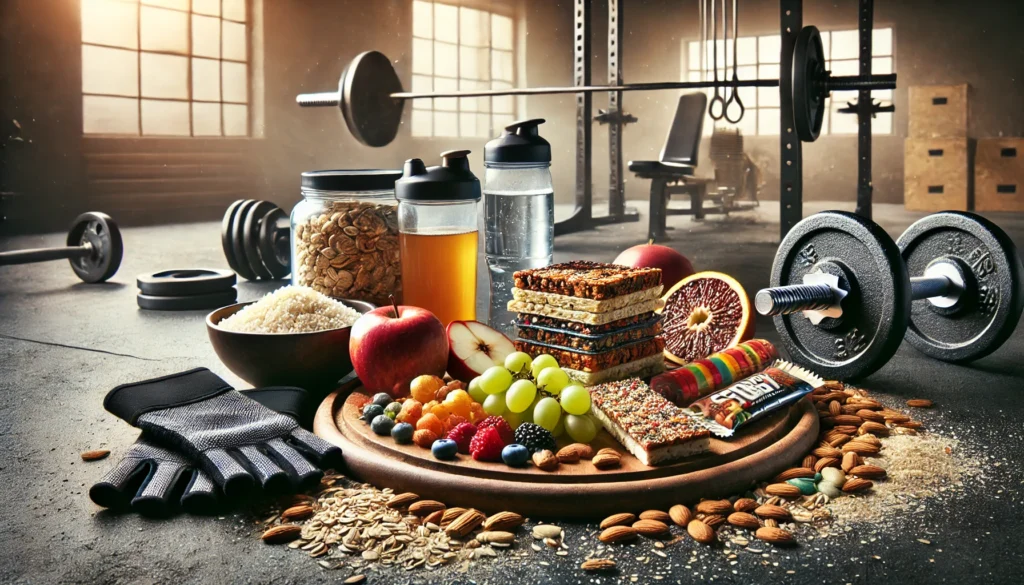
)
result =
(111, 71)
(501, 65)
(881, 41)
(504, 104)
(746, 51)
(475, 30)
(446, 59)
(693, 59)
(768, 96)
(164, 76)
(845, 67)
(826, 39)
(842, 123)
(176, 4)
(205, 119)
(483, 124)
(206, 80)
(110, 115)
(108, 22)
(205, 36)
(881, 65)
(768, 120)
(210, 7)
(882, 124)
(422, 84)
(446, 124)
(695, 76)
(234, 85)
(474, 104)
(164, 30)
(422, 122)
(164, 118)
(769, 48)
(500, 121)
(467, 125)
(501, 32)
(234, 10)
(444, 84)
(422, 19)
(234, 41)
(422, 56)
(474, 63)
(845, 44)
(236, 120)
(446, 23)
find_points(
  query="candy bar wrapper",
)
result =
(780, 385)
(701, 377)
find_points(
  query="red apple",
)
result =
(674, 266)
(393, 344)
(474, 347)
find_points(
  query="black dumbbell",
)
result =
(849, 282)
(255, 236)
(94, 249)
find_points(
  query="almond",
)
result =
(649, 527)
(547, 532)
(833, 386)
(655, 515)
(824, 452)
(839, 440)
(809, 461)
(714, 507)
(545, 460)
(850, 460)
(300, 512)
(826, 462)
(281, 534)
(783, 490)
(598, 565)
(774, 535)
(870, 415)
(848, 419)
(584, 450)
(700, 532)
(856, 484)
(503, 521)
(713, 520)
(617, 534)
(912, 424)
(845, 429)
(623, 519)
(873, 428)
(401, 500)
(434, 517)
(607, 459)
(94, 455)
(498, 536)
(465, 523)
(451, 514)
(745, 505)
(794, 473)
(425, 507)
(895, 416)
(834, 408)
(568, 454)
(861, 448)
(773, 512)
(919, 403)
(680, 515)
(744, 520)
(851, 408)
(868, 471)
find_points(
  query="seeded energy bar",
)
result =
(569, 340)
(591, 280)
(527, 320)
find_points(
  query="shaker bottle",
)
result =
(437, 236)
(519, 214)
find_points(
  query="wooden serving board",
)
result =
(574, 490)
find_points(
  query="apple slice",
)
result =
(473, 347)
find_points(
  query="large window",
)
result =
(455, 47)
(165, 67)
(758, 57)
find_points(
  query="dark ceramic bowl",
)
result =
(314, 361)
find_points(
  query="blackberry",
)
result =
(534, 437)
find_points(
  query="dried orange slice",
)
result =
(704, 313)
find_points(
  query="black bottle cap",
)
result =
(520, 143)
(452, 181)
(351, 180)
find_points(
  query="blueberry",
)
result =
(382, 399)
(371, 411)
(382, 425)
(444, 449)
(402, 433)
(393, 409)
(515, 455)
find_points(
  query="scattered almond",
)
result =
(658, 515)
(617, 534)
(401, 500)
(714, 507)
(623, 519)
(282, 533)
(773, 512)
(848, 419)
(874, 428)
(94, 455)
(745, 505)
(584, 450)
(861, 448)
(434, 518)
(783, 490)
(503, 521)
(425, 507)
(870, 415)
(868, 471)
(825, 462)
(451, 514)
(465, 524)
(920, 403)
(545, 460)
(607, 459)
(648, 527)
(856, 484)
(850, 460)
(680, 515)
(569, 454)
(834, 408)
(598, 565)
(774, 535)
(498, 536)
(744, 520)
(809, 461)
(794, 473)
(713, 520)
(825, 452)
(300, 512)
(700, 532)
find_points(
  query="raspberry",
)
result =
(504, 431)
(462, 434)
(486, 445)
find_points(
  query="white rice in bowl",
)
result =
(291, 309)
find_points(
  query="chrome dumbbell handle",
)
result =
(786, 300)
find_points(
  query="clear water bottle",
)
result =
(519, 212)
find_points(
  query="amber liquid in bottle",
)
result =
(439, 273)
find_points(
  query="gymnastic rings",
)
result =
(717, 99)
(734, 97)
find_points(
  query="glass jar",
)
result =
(437, 223)
(345, 235)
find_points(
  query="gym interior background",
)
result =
(71, 117)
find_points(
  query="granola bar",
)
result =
(585, 279)
(526, 319)
(585, 304)
(584, 316)
(641, 368)
(599, 361)
(589, 343)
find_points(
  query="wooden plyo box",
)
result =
(939, 111)
(999, 174)
(937, 174)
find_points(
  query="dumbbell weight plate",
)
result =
(188, 303)
(808, 103)
(185, 282)
(237, 240)
(274, 242)
(250, 237)
(225, 233)
(875, 312)
(101, 232)
(994, 300)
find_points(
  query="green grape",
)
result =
(575, 399)
(559, 430)
(542, 361)
(518, 362)
(495, 380)
(495, 404)
(547, 413)
(476, 391)
(581, 428)
(520, 395)
(552, 380)
(514, 419)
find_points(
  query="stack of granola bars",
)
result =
(598, 320)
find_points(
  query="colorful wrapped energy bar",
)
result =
(702, 377)
(780, 385)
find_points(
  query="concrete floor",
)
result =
(64, 344)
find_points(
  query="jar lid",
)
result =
(521, 143)
(351, 180)
(452, 181)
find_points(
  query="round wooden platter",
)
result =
(575, 490)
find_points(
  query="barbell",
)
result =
(94, 249)
(371, 98)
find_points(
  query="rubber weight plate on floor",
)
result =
(226, 237)
(237, 242)
(876, 310)
(992, 301)
(188, 303)
(100, 231)
(250, 235)
(185, 282)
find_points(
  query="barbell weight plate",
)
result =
(370, 112)
(238, 240)
(250, 238)
(875, 312)
(188, 303)
(994, 300)
(226, 226)
(808, 100)
(101, 232)
(274, 242)
(185, 282)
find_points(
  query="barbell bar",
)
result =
(94, 249)
(370, 94)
